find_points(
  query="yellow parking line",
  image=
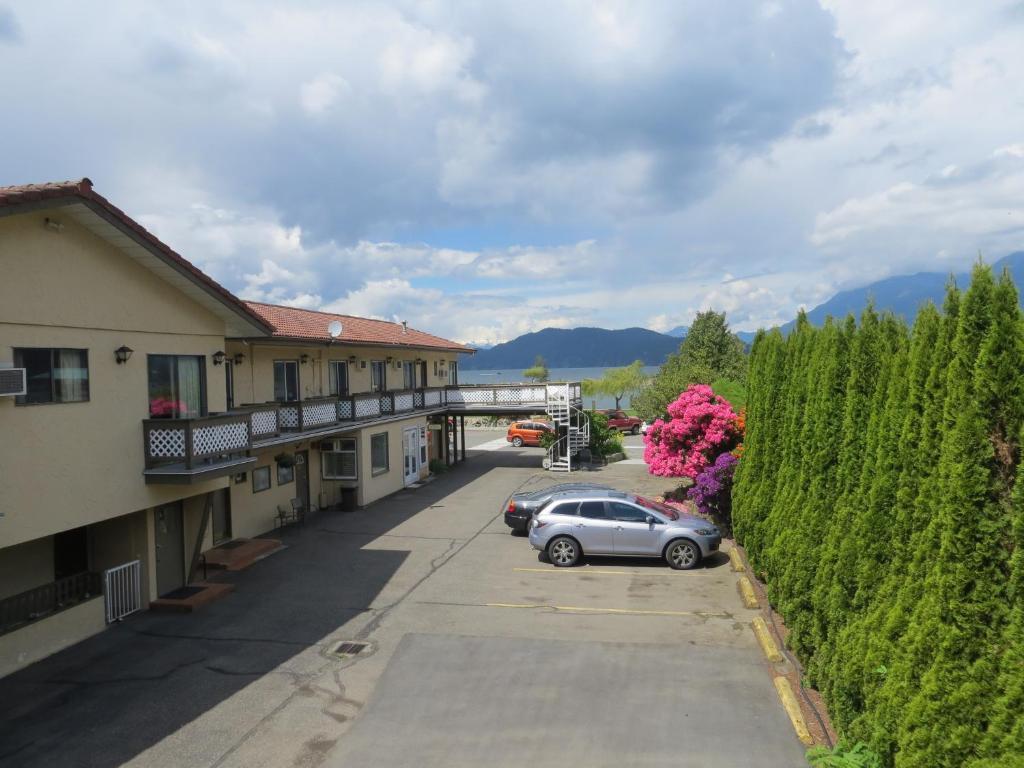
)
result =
(626, 611)
(578, 571)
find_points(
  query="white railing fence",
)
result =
(122, 590)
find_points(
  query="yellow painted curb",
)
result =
(789, 703)
(736, 560)
(771, 650)
(747, 593)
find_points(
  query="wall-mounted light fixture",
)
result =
(390, 359)
(219, 358)
(351, 358)
(303, 359)
(53, 225)
(123, 354)
(239, 358)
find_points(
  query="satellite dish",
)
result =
(334, 328)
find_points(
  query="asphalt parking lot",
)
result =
(479, 653)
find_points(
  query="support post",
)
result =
(455, 440)
(197, 551)
(444, 433)
(462, 422)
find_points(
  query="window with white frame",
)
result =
(379, 453)
(286, 381)
(378, 376)
(338, 373)
(339, 463)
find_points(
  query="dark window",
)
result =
(54, 375)
(592, 509)
(70, 553)
(285, 474)
(379, 453)
(409, 374)
(177, 386)
(627, 513)
(566, 508)
(286, 381)
(338, 373)
(453, 373)
(260, 479)
(378, 376)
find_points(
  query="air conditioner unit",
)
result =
(12, 381)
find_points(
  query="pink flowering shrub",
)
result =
(701, 427)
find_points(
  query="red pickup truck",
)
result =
(619, 420)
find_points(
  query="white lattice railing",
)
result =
(404, 401)
(506, 394)
(172, 441)
(320, 412)
(367, 406)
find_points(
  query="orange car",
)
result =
(522, 433)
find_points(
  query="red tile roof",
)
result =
(72, 191)
(310, 325)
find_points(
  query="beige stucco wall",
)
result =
(254, 377)
(37, 641)
(373, 487)
(26, 566)
(123, 539)
(252, 513)
(72, 464)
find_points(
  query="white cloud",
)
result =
(322, 93)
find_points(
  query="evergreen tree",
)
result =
(709, 352)
(948, 644)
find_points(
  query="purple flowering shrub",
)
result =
(711, 492)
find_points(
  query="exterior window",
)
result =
(592, 509)
(286, 381)
(378, 376)
(285, 474)
(260, 479)
(409, 374)
(338, 372)
(229, 383)
(379, 453)
(453, 372)
(423, 446)
(54, 375)
(435, 368)
(340, 462)
(177, 386)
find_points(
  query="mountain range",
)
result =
(597, 347)
(575, 348)
(903, 295)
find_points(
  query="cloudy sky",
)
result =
(483, 169)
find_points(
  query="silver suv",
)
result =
(577, 523)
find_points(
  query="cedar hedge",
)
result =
(881, 498)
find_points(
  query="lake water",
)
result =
(515, 376)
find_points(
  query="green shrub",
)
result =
(604, 440)
(841, 756)
(437, 467)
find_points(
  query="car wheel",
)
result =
(635, 430)
(682, 555)
(524, 531)
(517, 442)
(563, 551)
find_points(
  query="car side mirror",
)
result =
(651, 520)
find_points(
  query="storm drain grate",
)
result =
(348, 649)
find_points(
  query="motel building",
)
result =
(154, 426)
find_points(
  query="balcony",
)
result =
(200, 448)
(188, 450)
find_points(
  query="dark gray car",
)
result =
(522, 506)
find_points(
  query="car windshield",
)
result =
(661, 509)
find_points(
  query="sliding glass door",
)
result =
(177, 386)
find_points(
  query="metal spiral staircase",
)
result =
(568, 415)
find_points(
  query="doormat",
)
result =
(181, 593)
(232, 544)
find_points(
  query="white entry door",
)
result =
(411, 451)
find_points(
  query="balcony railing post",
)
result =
(188, 444)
